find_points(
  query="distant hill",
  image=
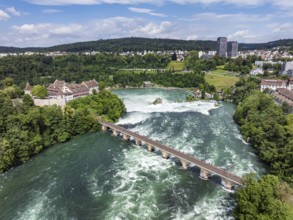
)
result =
(269, 45)
(136, 44)
(141, 44)
(18, 50)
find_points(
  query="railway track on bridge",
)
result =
(206, 169)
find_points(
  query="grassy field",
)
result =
(177, 66)
(221, 79)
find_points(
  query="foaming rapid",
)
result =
(201, 129)
(139, 105)
(138, 183)
(166, 106)
(172, 101)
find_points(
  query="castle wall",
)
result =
(50, 101)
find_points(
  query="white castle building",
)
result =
(60, 92)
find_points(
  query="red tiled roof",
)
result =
(91, 83)
(273, 82)
(77, 88)
(54, 91)
(286, 93)
(59, 83)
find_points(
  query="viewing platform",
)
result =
(229, 180)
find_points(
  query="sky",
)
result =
(41, 23)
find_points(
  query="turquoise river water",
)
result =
(99, 176)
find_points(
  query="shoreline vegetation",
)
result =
(269, 129)
(26, 129)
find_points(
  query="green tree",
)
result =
(8, 81)
(261, 199)
(102, 86)
(39, 91)
(285, 107)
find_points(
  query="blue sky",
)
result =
(26, 23)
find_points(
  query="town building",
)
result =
(287, 69)
(60, 92)
(257, 71)
(222, 46)
(262, 63)
(232, 49)
(287, 95)
(273, 84)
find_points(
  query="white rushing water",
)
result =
(188, 127)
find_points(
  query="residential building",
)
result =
(222, 46)
(232, 49)
(287, 69)
(257, 71)
(273, 84)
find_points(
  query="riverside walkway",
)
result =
(229, 180)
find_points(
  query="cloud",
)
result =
(284, 27)
(235, 18)
(192, 37)
(3, 15)
(51, 11)
(243, 35)
(46, 34)
(13, 11)
(242, 27)
(146, 11)
(283, 3)
(47, 29)
(135, 2)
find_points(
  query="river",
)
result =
(99, 176)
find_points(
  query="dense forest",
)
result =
(39, 69)
(25, 129)
(105, 68)
(166, 79)
(269, 129)
(141, 44)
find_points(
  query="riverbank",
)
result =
(26, 129)
(269, 130)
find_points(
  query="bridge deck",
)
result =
(201, 164)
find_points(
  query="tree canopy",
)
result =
(268, 198)
(26, 129)
(39, 91)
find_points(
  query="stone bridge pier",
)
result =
(185, 164)
(204, 174)
(137, 142)
(151, 148)
(115, 132)
(104, 128)
(126, 137)
(227, 184)
(165, 154)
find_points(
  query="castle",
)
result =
(60, 92)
